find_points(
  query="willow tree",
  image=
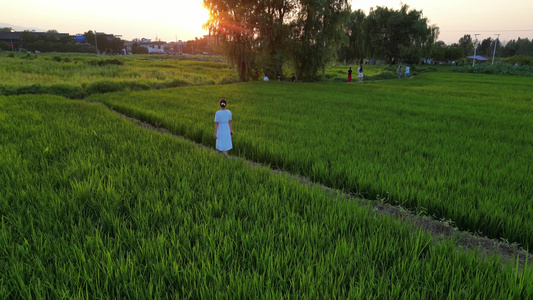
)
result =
(398, 34)
(317, 33)
(274, 22)
(235, 23)
(352, 50)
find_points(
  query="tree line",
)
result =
(306, 35)
(52, 41)
(267, 37)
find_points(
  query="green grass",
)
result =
(95, 207)
(75, 76)
(454, 146)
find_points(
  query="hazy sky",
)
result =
(183, 19)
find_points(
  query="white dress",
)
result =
(223, 133)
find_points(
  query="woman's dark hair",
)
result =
(222, 102)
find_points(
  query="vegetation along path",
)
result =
(439, 229)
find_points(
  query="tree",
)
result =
(137, 49)
(316, 34)
(524, 47)
(262, 35)
(485, 47)
(439, 51)
(273, 32)
(453, 52)
(398, 35)
(510, 48)
(466, 45)
(4, 46)
(6, 29)
(353, 50)
(235, 23)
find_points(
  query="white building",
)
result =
(153, 47)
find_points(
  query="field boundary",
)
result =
(440, 230)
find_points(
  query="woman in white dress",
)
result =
(223, 130)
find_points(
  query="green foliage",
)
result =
(495, 69)
(106, 62)
(259, 36)
(115, 86)
(75, 76)
(521, 60)
(96, 207)
(455, 145)
(398, 35)
(64, 90)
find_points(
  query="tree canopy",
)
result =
(264, 36)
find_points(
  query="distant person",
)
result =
(279, 78)
(293, 78)
(265, 78)
(360, 73)
(399, 71)
(350, 74)
(407, 69)
(223, 130)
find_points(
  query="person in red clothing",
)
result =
(350, 74)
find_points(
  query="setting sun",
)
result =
(191, 14)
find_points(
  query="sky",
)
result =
(183, 19)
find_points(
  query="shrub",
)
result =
(34, 89)
(496, 69)
(67, 91)
(105, 62)
(115, 86)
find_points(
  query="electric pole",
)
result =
(495, 43)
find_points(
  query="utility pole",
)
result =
(475, 48)
(95, 42)
(495, 43)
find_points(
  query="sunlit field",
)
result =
(94, 206)
(454, 146)
(76, 76)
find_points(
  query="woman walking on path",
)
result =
(223, 130)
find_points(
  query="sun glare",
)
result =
(192, 13)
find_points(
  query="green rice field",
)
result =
(455, 146)
(94, 206)
(76, 76)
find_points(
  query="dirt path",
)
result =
(439, 230)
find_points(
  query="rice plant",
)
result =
(93, 206)
(457, 146)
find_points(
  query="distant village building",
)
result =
(157, 47)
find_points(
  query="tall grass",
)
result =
(94, 207)
(86, 73)
(455, 146)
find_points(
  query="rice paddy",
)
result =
(94, 206)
